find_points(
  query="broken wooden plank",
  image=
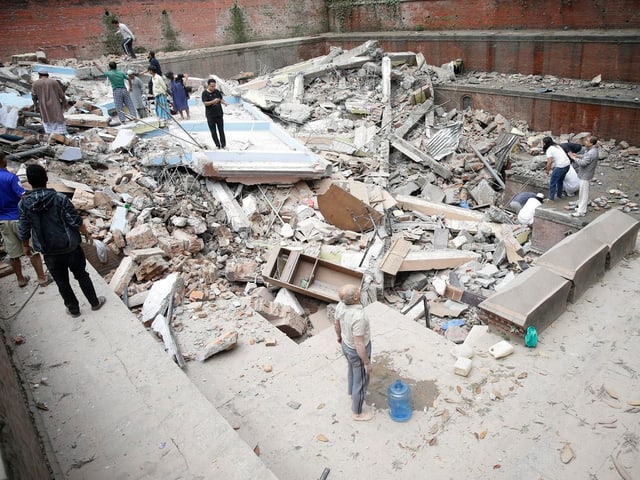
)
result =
(419, 156)
(464, 296)
(345, 211)
(416, 261)
(441, 209)
(394, 257)
(86, 120)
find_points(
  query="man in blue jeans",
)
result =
(50, 219)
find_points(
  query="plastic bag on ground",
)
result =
(101, 250)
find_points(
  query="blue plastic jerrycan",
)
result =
(399, 395)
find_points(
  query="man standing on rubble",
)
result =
(586, 170)
(49, 100)
(49, 218)
(121, 95)
(127, 38)
(212, 100)
(137, 93)
(11, 192)
(354, 335)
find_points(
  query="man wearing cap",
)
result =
(136, 90)
(49, 100)
(519, 199)
(528, 211)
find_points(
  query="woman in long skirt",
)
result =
(163, 111)
(179, 95)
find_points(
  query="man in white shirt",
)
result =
(526, 214)
(127, 38)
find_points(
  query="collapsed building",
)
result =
(378, 185)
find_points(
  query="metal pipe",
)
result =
(30, 153)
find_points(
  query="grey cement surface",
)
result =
(119, 408)
(116, 406)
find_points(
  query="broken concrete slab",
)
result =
(284, 317)
(160, 296)
(222, 343)
(123, 275)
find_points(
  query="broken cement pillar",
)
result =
(237, 219)
(386, 79)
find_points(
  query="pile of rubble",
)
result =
(413, 204)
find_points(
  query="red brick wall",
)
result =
(68, 28)
(555, 113)
(376, 15)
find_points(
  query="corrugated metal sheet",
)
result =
(445, 141)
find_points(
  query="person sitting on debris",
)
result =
(519, 199)
(137, 93)
(121, 95)
(49, 100)
(163, 112)
(179, 94)
(352, 327)
(127, 38)
(11, 192)
(586, 170)
(557, 164)
(571, 182)
(213, 100)
(50, 219)
(527, 212)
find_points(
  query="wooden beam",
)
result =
(416, 261)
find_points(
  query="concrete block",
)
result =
(535, 297)
(618, 231)
(578, 258)
(122, 275)
(141, 236)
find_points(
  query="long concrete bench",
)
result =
(539, 296)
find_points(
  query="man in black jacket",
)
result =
(50, 219)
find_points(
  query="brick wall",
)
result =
(19, 442)
(64, 28)
(376, 15)
(68, 28)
